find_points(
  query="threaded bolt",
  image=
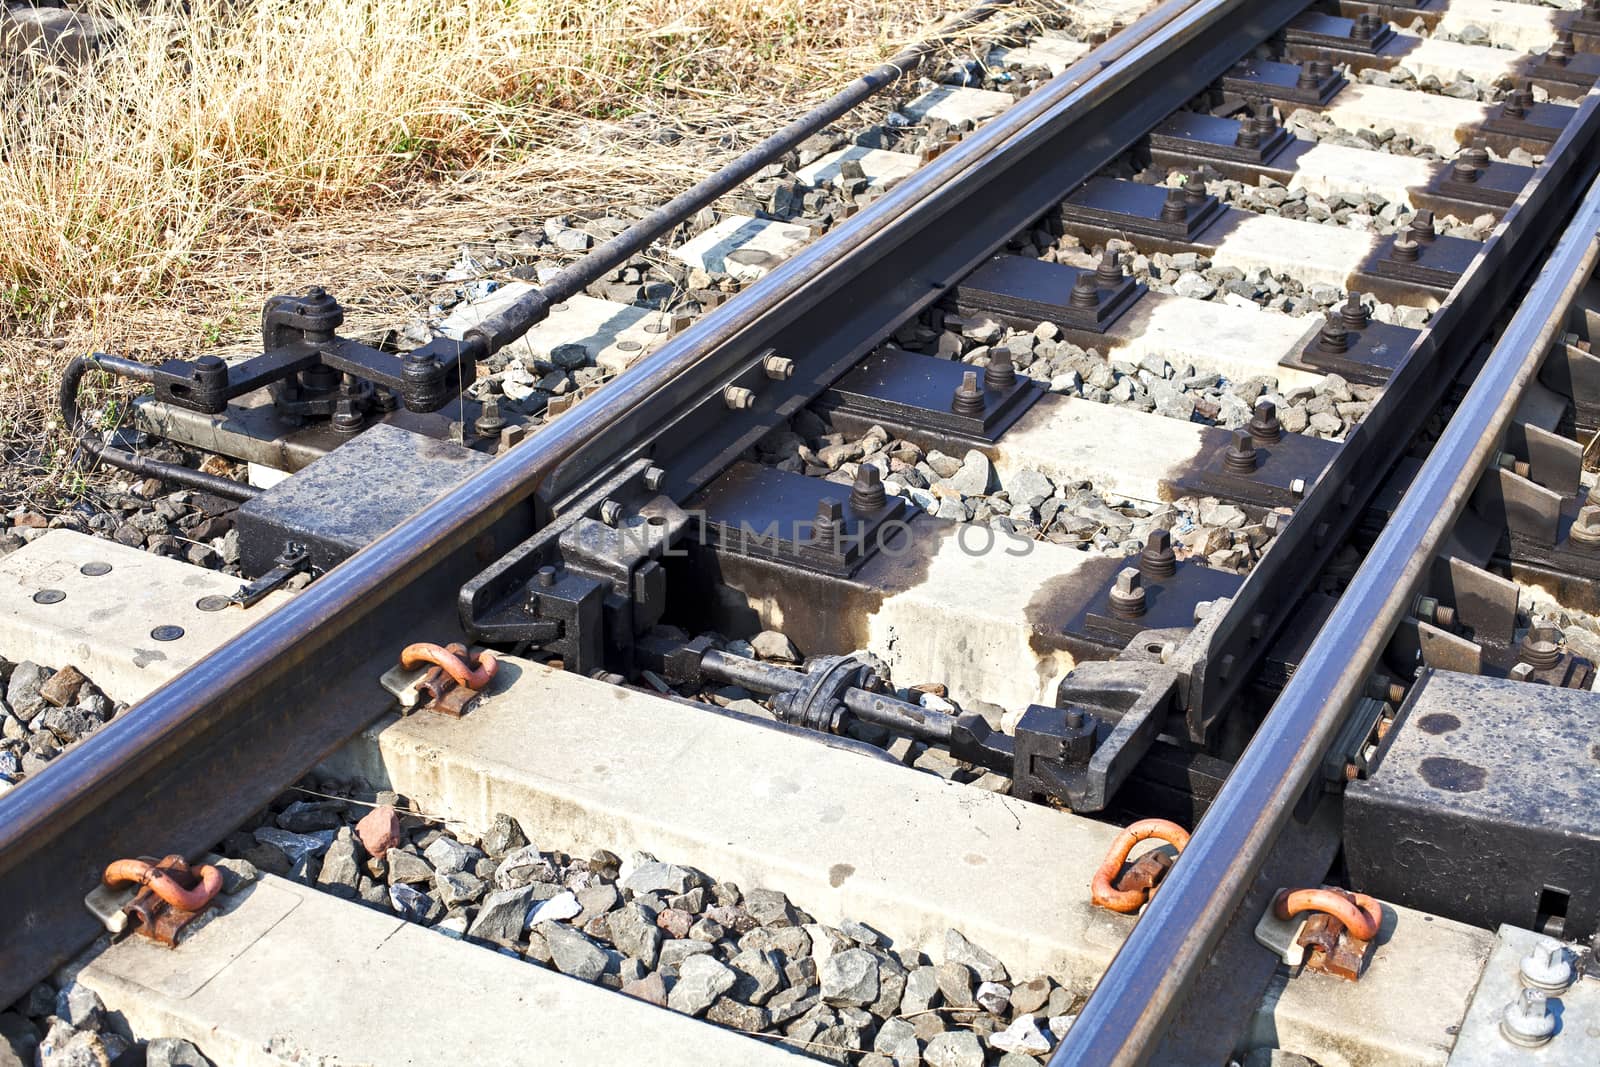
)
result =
(1086, 290)
(490, 422)
(1001, 373)
(1333, 337)
(867, 495)
(347, 417)
(1527, 1020)
(1464, 171)
(1421, 226)
(1548, 966)
(969, 398)
(1354, 313)
(1477, 154)
(1247, 137)
(826, 527)
(778, 368)
(1265, 121)
(1585, 529)
(1541, 647)
(1127, 596)
(1241, 458)
(654, 478)
(1405, 250)
(1307, 79)
(1561, 51)
(1322, 68)
(738, 398)
(610, 512)
(1176, 207)
(1109, 273)
(1156, 560)
(1265, 427)
(1194, 188)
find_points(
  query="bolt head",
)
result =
(1128, 580)
(1160, 540)
(654, 478)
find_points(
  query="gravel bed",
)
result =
(1316, 126)
(741, 957)
(44, 712)
(1029, 504)
(62, 1023)
(1153, 384)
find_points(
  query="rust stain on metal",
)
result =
(172, 894)
(1133, 889)
(452, 683)
(1340, 931)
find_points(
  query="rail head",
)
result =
(1138, 995)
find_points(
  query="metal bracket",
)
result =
(1286, 83)
(587, 583)
(294, 559)
(1171, 214)
(1028, 291)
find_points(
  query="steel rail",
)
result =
(196, 757)
(1146, 981)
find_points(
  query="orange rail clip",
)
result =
(1360, 914)
(1128, 901)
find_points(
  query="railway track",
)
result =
(1200, 438)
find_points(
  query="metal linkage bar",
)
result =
(512, 322)
(1147, 981)
(216, 743)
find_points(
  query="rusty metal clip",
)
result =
(1338, 935)
(171, 895)
(1127, 892)
(452, 683)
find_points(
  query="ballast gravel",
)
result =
(747, 958)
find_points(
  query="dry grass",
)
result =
(221, 151)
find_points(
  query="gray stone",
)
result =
(651, 988)
(1030, 996)
(173, 1052)
(835, 1043)
(633, 930)
(1029, 487)
(413, 905)
(559, 908)
(23, 691)
(459, 887)
(1194, 286)
(236, 874)
(992, 997)
(504, 835)
(675, 950)
(573, 953)
(976, 475)
(770, 908)
(955, 984)
(1023, 1035)
(771, 645)
(701, 980)
(1275, 1057)
(80, 1006)
(657, 877)
(447, 855)
(406, 866)
(922, 990)
(522, 866)
(596, 900)
(341, 869)
(729, 1012)
(295, 846)
(503, 916)
(954, 1049)
(850, 977)
(897, 1039)
(756, 976)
